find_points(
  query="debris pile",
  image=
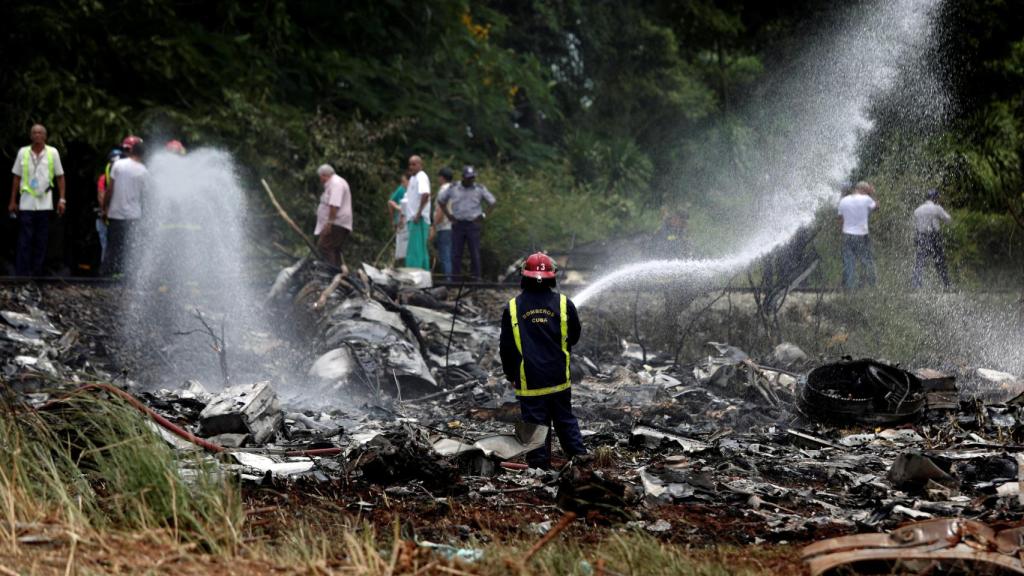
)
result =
(405, 401)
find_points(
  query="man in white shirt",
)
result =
(122, 205)
(333, 215)
(416, 206)
(928, 220)
(854, 210)
(36, 169)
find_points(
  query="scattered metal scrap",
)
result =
(922, 546)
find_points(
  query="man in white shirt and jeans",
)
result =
(37, 170)
(928, 220)
(122, 205)
(854, 210)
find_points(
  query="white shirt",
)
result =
(131, 179)
(855, 209)
(38, 170)
(929, 217)
(419, 184)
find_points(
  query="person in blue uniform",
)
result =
(538, 330)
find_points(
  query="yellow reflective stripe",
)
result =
(513, 312)
(542, 391)
(565, 333)
(26, 186)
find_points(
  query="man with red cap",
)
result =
(539, 327)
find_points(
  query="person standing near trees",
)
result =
(463, 204)
(417, 215)
(36, 169)
(122, 204)
(928, 220)
(101, 191)
(441, 229)
(398, 219)
(854, 210)
(333, 215)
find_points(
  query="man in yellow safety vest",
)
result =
(538, 329)
(36, 169)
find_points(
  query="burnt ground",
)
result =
(734, 472)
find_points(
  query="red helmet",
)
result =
(129, 142)
(175, 147)
(539, 265)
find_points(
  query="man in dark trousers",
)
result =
(538, 329)
(928, 220)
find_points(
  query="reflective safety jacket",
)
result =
(26, 178)
(538, 331)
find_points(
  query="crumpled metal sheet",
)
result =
(527, 437)
(951, 539)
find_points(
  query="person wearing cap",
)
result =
(441, 228)
(101, 193)
(539, 327)
(122, 204)
(37, 169)
(928, 220)
(333, 215)
(854, 211)
(463, 204)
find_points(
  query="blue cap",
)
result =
(115, 153)
(931, 194)
(468, 172)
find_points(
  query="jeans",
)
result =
(929, 246)
(101, 231)
(33, 236)
(120, 235)
(555, 411)
(858, 248)
(464, 231)
(443, 244)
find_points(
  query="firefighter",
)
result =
(538, 329)
(175, 147)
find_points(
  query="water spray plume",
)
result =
(192, 256)
(826, 100)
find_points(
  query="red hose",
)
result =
(164, 422)
(514, 466)
(178, 430)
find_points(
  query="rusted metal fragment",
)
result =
(944, 539)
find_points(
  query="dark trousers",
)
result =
(466, 231)
(858, 249)
(330, 244)
(33, 236)
(120, 235)
(929, 247)
(554, 411)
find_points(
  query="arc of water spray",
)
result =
(831, 95)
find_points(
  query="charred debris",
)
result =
(403, 398)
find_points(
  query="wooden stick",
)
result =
(555, 530)
(284, 216)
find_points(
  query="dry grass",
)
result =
(90, 489)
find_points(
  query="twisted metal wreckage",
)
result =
(411, 401)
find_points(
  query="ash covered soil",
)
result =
(716, 452)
